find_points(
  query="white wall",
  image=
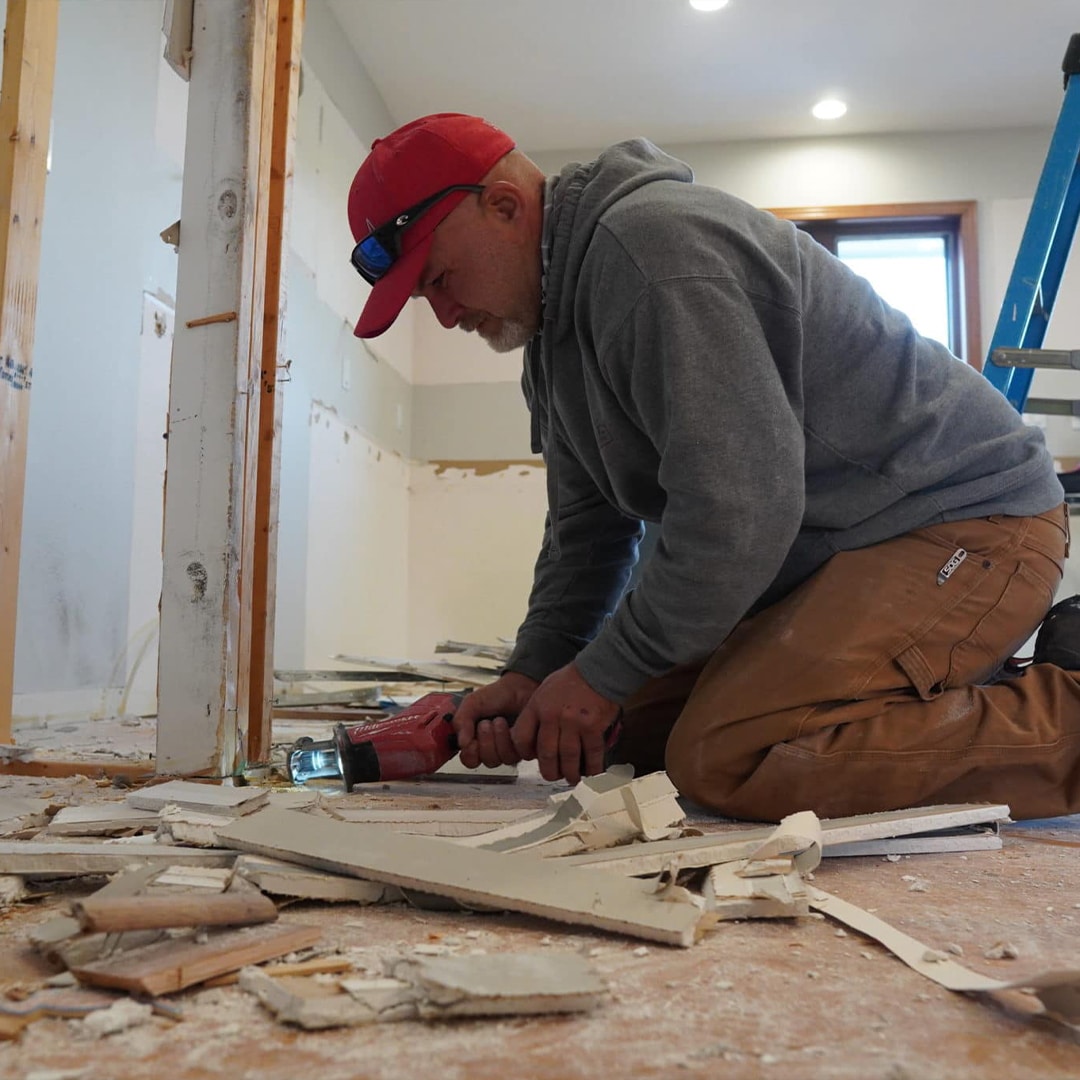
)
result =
(111, 189)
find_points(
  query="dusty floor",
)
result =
(772, 999)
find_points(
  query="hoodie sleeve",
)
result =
(693, 364)
(574, 591)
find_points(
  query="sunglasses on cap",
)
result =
(381, 248)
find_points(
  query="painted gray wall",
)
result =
(108, 195)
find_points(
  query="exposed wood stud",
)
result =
(25, 112)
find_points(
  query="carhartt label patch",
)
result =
(947, 571)
(603, 436)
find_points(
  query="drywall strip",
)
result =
(285, 89)
(201, 798)
(214, 395)
(25, 112)
(486, 878)
(35, 859)
(693, 851)
(1059, 991)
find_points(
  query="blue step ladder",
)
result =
(1016, 348)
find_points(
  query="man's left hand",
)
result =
(563, 726)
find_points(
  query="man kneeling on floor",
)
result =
(856, 530)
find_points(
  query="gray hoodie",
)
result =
(706, 366)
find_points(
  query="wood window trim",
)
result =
(968, 260)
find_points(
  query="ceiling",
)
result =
(565, 74)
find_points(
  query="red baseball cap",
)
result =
(410, 165)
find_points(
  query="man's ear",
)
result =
(504, 199)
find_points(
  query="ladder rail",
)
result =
(1044, 249)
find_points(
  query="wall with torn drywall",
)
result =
(112, 187)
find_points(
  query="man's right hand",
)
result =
(482, 722)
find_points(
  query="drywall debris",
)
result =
(213, 878)
(916, 884)
(202, 798)
(19, 814)
(178, 825)
(12, 890)
(535, 886)
(122, 1016)
(301, 882)
(1003, 950)
(101, 819)
(1058, 991)
(600, 812)
(40, 859)
(434, 988)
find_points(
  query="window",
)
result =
(920, 258)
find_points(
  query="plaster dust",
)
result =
(791, 999)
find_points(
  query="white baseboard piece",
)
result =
(485, 878)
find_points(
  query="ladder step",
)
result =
(1037, 358)
(1052, 407)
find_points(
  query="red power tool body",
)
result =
(416, 741)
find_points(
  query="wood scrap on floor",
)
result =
(168, 966)
(114, 914)
(486, 878)
(436, 988)
(202, 798)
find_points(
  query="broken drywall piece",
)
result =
(101, 819)
(21, 813)
(731, 894)
(202, 798)
(68, 1002)
(600, 812)
(287, 879)
(435, 988)
(972, 838)
(118, 1017)
(41, 859)
(168, 966)
(699, 851)
(216, 879)
(12, 890)
(1058, 991)
(178, 825)
(502, 985)
(448, 823)
(486, 878)
(314, 1006)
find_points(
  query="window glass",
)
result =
(911, 273)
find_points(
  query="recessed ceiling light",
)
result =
(829, 109)
(708, 5)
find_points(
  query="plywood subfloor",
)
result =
(770, 999)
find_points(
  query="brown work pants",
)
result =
(872, 687)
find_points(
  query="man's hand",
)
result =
(563, 725)
(482, 722)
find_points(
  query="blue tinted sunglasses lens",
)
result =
(370, 257)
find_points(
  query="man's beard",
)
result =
(511, 334)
